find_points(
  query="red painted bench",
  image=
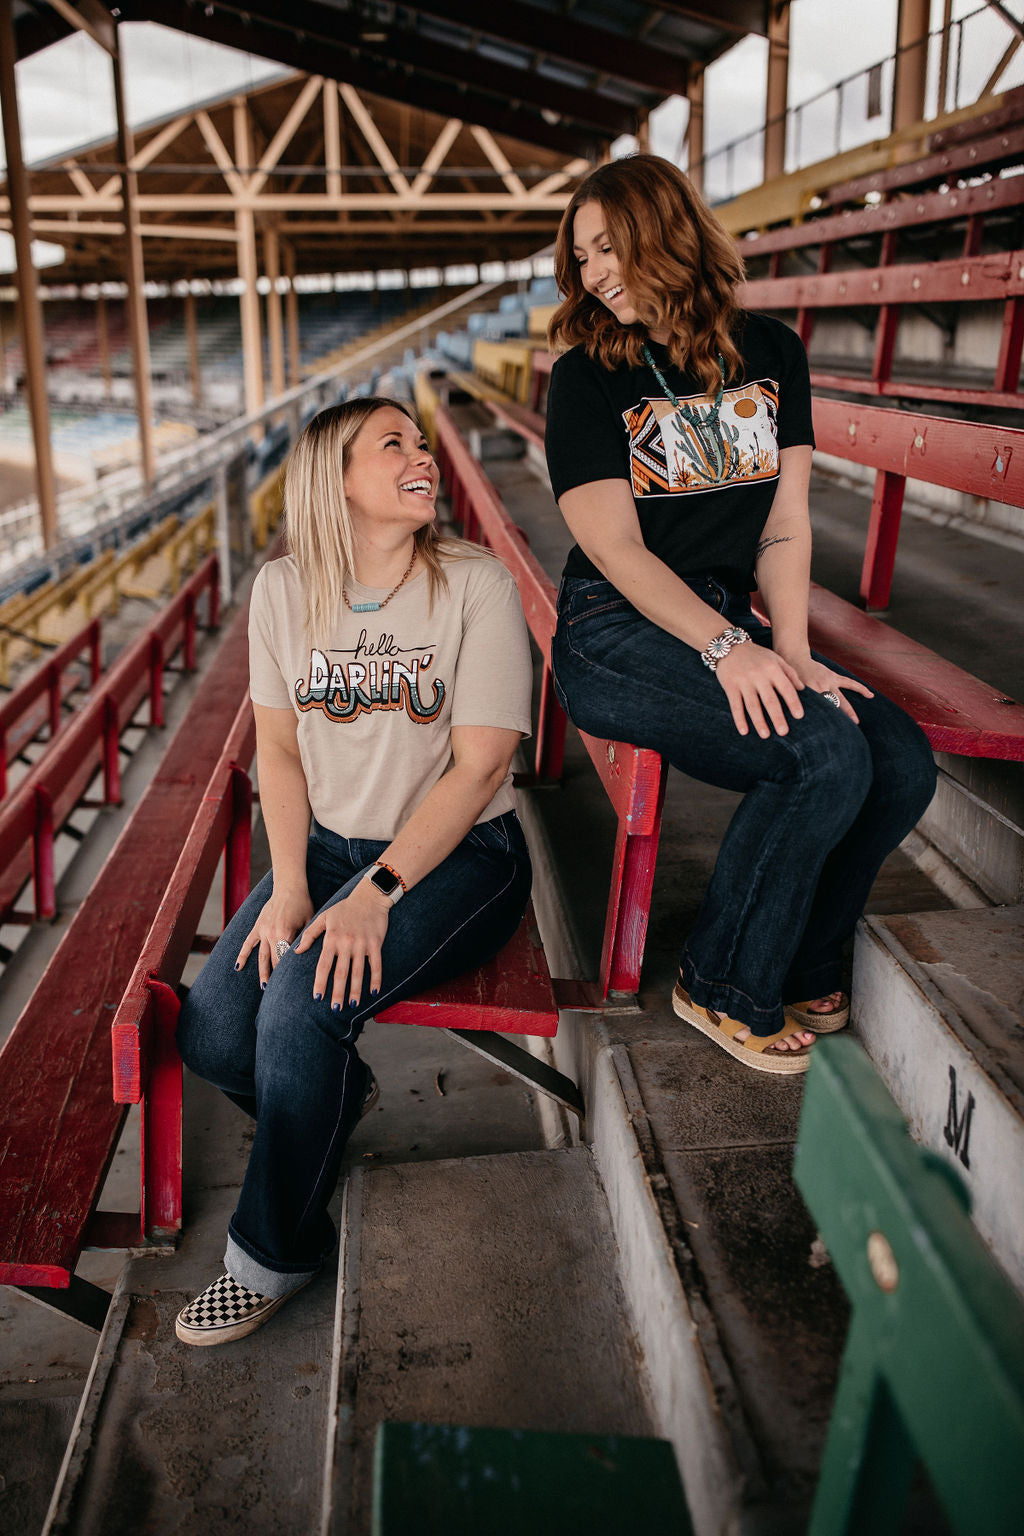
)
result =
(633, 777)
(33, 814)
(59, 1125)
(968, 456)
(39, 700)
(513, 993)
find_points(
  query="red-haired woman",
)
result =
(679, 444)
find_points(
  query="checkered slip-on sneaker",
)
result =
(370, 1097)
(225, 1311)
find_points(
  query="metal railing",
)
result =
(199, 468)
(858, 108)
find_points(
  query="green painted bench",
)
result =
(933, 1371)
(444, 1480)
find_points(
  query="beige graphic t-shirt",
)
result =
(377, 697)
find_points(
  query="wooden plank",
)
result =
(511, 993)
(58, 1122)
(957, 712)
(962, 455)
(907, 213)
(970, 158)
(991, 399)
(996, 276)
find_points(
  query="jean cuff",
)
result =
(723, 998)
(814, 981)
(258, 1277)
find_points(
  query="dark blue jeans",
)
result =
(823, 806)
(292, 1063)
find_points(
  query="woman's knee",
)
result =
(832, 764)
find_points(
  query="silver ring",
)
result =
(281, 948)
(833, 698)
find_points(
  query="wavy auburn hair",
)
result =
(318, 527)
(679, 265)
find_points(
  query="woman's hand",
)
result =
(281, 918)
(823, 680)
(759, 683)
(353, 932)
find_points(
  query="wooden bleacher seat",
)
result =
(933, 1370)
(58, 1124)
(449, 1480)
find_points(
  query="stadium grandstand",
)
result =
(593, 1275)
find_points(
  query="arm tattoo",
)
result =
(767, 544)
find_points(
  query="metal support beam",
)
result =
(103, 346)
(249, 299)
(138, 323)
(908, 99)
(29, 308)
(292, 318)
(192, 341)
(695, 131)
(275, 334)
(777, 90)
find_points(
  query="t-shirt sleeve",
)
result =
(583, 438)
(267, 683)
(795, 425)
(494, 675)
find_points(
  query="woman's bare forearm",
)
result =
(659, 594)
(441, 820)
(284, 803)
(783, 568)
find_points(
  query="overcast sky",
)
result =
(66, 100)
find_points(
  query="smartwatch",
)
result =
(387, 882)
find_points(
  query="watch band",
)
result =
(388, 881)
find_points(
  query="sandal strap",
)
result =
(732, 1027)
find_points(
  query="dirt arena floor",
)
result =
(18, 483)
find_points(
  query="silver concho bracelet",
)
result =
(721, 645)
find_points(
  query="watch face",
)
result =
(385, 881)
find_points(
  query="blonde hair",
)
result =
(318, 527)
(680, 266)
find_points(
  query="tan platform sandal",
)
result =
(753, 1051)
(820, 1023)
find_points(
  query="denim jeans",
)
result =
(823, 806)
(292, 1063)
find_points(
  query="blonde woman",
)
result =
(679, 442)
(390, 679)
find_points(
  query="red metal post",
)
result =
(95, 659)
(156, 680)
(238, 845)
(188, 639)
(160, 1200)
(1011, 342)
(883, 536)
(44, 880)
(53, 690)
(111, 751)
(629, 904)
(972, 235)
(550, 752)
(213, 597)
(885, 342)
(3, 761)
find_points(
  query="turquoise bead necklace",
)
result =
(687, 411)
(375, 607)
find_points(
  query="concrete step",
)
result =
(481, 1291)
(938, 1000)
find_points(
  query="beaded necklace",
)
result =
(374, 607)
(691, 416)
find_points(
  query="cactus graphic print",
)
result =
(685, 447)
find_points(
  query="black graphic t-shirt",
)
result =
(702, 491)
